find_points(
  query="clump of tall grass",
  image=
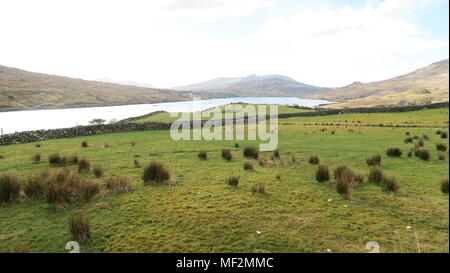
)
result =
(98, 171)
(226, 154)
(276, 153)
(373, 160)
(137, 164)
(236, 145)
(267, 162)
(36, 158)
(390, 184)
(314, 159)
(322, 173)
(202, 154)
(421, 142)
(375, 175)
(248, 166)
(344, 172)
(394, 152)
(156, 172)
(444, 185)
(438, 132)
(118, 184)
(36, 186)
(344, 183)
(425, 137)
(84, 144)
(9, 189)
(84, 165)
(57, 159)
(251, 152)
(441, 147)
(423, 154)
(87, 189)
(73, 159)
(441, 156)
(80, 228)
(408, 140)
(259, 188)
(233, 181)
(444, 134)
(58, 194)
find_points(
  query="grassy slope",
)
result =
(165, 117)
(201, 213)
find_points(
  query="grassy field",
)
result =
(201, 213)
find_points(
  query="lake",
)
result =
(17, 121)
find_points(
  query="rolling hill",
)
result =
(428, 84)
(20, 90)
(253, 86)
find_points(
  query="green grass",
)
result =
(201, 213)
(165, 116)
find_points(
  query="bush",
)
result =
(374, 160)
(36, 158)
(36, 186)
(84, 144)
(118, 184)
(444, 134)
(394, 152)
(422, 153)
(343, 172)
(390, 184)
(441, 147)
(202, 154)
(441, 156)
(226, 154)
(375, 175)
(251, 152)
(156, 172)
(9, 189)
(259, 188)
(344, 187)
(58, 194)
(87, 189)
(444, 185)
(84, 165)
(322, 173)
(233, 181)
(248, 166)
(79, 227)
(314, 159)
(98, 171)
(56, 159)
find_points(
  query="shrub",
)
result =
(202, 154)
(87, 189)
(233, 181)
(137, 164)
(259, 188)
(444, 134)
(444, 185)
(58, 194)
(56, 159)
(79, 227)
(394, 152)
(375, 175)
(251, 152)
(156, 172)
(422, 153)
(35, 187)
(344, 187)
(9, 189)
(408, 140)
(248, 166)
(374, 160)
(276, 153)
(84, 144)
(36, 158)
(390, 184)
(314, 159)
(73, 159)
(441, 156)
(118, 183)
(98, 171)
(322, 173)
(226, 154)
(84, 165)
(441, 147)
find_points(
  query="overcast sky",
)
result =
(174, 42)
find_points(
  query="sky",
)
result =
(168, 43)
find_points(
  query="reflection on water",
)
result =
(17, 121)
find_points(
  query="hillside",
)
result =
(253, 85)
(21, 89)
(428, 84)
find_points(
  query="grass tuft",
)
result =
(155, 172)
(233, 181)
(226, 154)
(9, 189)
(375, 175)
(251, 152)
(374, 160)
(394, 152)
(322, 173)
(80, 228)
(84, 165)
(314, 159)
(202, 154)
